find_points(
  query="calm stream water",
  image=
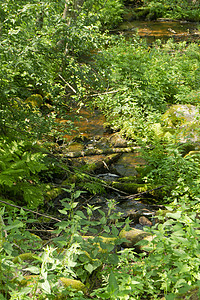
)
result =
(163, 30)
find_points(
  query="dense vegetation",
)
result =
(55, 54)
(178, 10)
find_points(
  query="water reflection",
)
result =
(163, 30)
(88, 123)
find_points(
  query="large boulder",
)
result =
(134, 236)
(184, 122)
(128, 163)
(179, 115)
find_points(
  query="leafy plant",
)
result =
(19, 173)
(33, 267)
(182, 9)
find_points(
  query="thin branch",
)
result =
(29, 210)
(105, 93)
(71, 87)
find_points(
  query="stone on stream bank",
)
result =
(180, 124)
(129, 186)
(134, 236)
(128, 163)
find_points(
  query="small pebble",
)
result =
(145, 221)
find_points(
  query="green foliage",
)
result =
(170, 269)
(71, 255)
(19, 173)
(181, 9)
(146, 80)
(42, 53)
(79, 252)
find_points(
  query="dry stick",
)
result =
(34, 212)
(105, 93)
(67, 84)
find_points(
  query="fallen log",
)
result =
(90, 152)
(103, 163)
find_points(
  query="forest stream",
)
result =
(110, 157)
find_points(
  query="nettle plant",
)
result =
(83, 259)
(71, 262)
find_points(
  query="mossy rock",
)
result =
(130, 187)
(25, 257)
(104, 240)
(128, 162)
(35, 100)
(74, 284)
(179, 114)
(53, 193)
(127, 179)
(134, 236)
(116, 140)
(184, 120)
(192, 294)
(74, 147)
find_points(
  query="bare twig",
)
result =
(105, 93)
(71, 87)
(34, 212)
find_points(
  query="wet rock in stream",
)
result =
(127, 164)
(139, 213)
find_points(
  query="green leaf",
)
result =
(112, 284)
(106, 229)
(77, 194)
(89, 268)
(74, 205)
(8, 248)
(180, 282)
(115, 231)
(33, 269)
(63, 211)
(15, 224)
(81, 214)
(176, 215)
(46, 286)
(113, 259)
